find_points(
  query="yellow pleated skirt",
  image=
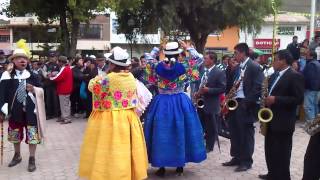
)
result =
(113, 147)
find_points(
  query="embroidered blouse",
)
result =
(172, 79)
(114, 91)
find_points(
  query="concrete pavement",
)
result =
(58, 158)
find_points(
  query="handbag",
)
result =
(8, 116)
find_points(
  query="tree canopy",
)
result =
(69, 12)
(197, 18)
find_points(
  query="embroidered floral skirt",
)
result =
(113, 147)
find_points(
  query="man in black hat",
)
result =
(51, 97)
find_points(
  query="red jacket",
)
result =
(64, 81)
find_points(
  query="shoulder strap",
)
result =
(14, 97)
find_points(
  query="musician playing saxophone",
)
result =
(213, 84)
(286, 88)
(242, 118)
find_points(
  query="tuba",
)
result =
(230, 103)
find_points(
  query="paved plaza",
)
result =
(58, 158)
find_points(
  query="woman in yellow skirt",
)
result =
(114, 146)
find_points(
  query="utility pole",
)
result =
(312, 19)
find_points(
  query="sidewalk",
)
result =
(58, 158)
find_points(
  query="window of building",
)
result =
(4, 38)
(286, 30)
(90, 31)
(115, 26)
(38, 34)
(298, 28)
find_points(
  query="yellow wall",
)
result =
(227, 39)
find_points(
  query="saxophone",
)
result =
(199, 102)
(265, 114)
(313, 127)
(230, 103)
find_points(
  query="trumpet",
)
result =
(265, 114)
(230, 103)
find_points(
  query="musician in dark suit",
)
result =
(242, 119)
(286, 88)
(213, 84)
(312, 159)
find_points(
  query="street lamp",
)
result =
(30, 22)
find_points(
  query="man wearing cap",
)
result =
(51, 97)
(18, 104)
(64, 82)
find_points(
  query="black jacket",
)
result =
(8, 87)
(288, 94)
(294, 50)
(252, 83)
(311, 75)
(217, 85)
(78, 77)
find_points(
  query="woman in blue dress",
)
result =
(172, 127)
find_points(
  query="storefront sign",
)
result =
(265, 43)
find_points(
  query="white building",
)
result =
(288, 25)
(144, 43)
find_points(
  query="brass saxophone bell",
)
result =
(265, 115)
(232, 104)
(200, 103)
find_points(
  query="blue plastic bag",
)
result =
(83, 92)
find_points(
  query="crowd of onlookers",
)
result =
(65, 79)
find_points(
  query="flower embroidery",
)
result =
(117, 95)
(97, 89)
(192, 62)
(161, 85)
(125, 103)
(96, 104)
(107, 104)
(129, 94)
(103, 95)
(182, 77)
(134, 102)
(166, 82)
(173, 85)
(152, 79)
(104, 82)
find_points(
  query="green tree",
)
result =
(197, 18)
(69, 13)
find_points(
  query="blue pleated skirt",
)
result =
(173, 132)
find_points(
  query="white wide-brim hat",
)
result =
(119, 57)
(18, 53)
(172, 48)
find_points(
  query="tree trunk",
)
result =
(65, 43)
(74, 36)
(200, 40)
